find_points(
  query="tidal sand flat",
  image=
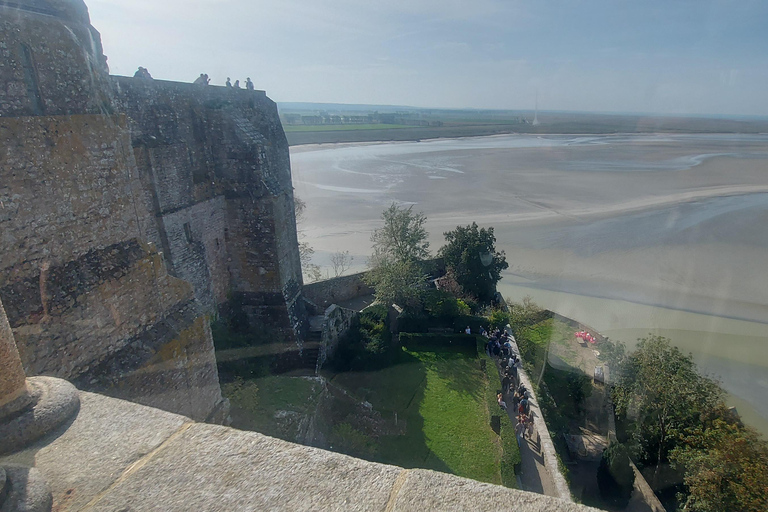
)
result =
(629, 233)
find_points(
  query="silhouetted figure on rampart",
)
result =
(237, 84)
(248, 84)
(142, 73)
(202, 80)
(229, 83)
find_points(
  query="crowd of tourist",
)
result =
(500, 346)
(203, 79)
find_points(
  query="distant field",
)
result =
(340, 127)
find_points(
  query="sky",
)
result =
(652, 56)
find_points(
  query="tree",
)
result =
(402, 238)
(660, 387)
(471, 255)
(726, 467)
(397, 274)
(341, 261)
(398, 282)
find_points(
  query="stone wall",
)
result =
(142, 459)
(54, 65)
(339, 289)
(336, 323)
(214, 164)
(131, 211)
(88, 298)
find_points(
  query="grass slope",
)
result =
(439, 394)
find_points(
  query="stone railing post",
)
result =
(14, 393)
(29, 410)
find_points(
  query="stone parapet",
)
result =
(118, 455)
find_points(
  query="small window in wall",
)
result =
(188, 232)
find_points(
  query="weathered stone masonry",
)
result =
(130, 211)
(214, 162)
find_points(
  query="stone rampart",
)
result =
(143, 459)
(54, 65)
(214, 164)
(132, 210)
(86, 295)
(339, 289)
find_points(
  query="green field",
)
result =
(439, 394)
(340, 127)
(431, 408)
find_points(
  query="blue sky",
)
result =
(671, 56)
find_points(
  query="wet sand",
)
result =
(600, 228)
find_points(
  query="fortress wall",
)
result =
(120, 234)
(87, 298)
(215, 162)
(54, 65)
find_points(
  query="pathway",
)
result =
(539, 471)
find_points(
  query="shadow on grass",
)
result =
(397, 392)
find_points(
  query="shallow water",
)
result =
(628, 233)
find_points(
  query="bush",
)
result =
(442, 304)
(464, 342)
(410, 322)
(615, 476)
(367, 345)
(498, 319)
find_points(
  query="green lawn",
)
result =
(429, 409)
(340, 127)
(440, 396)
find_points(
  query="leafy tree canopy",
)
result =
(398, 282)
(397, 274)
(402, 238)
(470, 252)
(726, 467)
(664, 394)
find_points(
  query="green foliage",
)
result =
(525, 313)
(398, 282)
(660, 386)
(367, 344)
(615, 476)
(614, 355)
(442, 304)
(402, 238)
(466, 343)
(726, 466)
(397, 274)
(470, 253)
(498, 319)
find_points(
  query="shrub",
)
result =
(367, 344)
(615, 476)
(442, 304)
(498, 319)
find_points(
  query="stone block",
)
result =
(209, 467)
(105, 439)
(420, 490)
